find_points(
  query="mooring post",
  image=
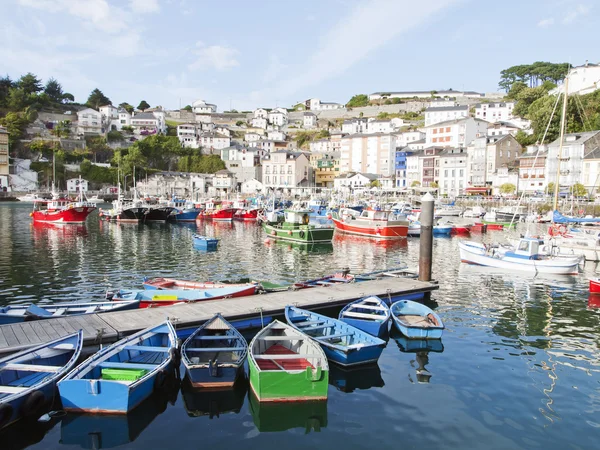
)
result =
(426, 245)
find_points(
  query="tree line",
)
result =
(533, 75)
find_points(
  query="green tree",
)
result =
(54, 90)
(533, 74)
(5, 84)
(550, 188)
(515, 88)
(133, 158)
(15, 123)
(62, 129)
(579, 190)
(415, 184)
(30, 84)
(507, 188)
(322, 134)
(240, 123)
(188, 108)
(143, 106)
(114, 136)
(127, 107)
(434, 184)
(357, 101)
(17, 99)
(98, 147)
(68, 98)
(97, 99)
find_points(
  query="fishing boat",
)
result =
(369, 314)
(62, 210)
(296, 227)
(183, 211)
(153, 298)
(157, 213)
(442, 229)
(25, 313)
(214, 354)
(120, 376)
(375, 223)
(204, 242)
(286, 365)
(216, 212)
(460, 230)
(30, 198)
(594, 285)
(341, 342)
(172, 283)
(525, 257)
(247, 214)
(416, 321)
(414, 229)
(124, 211)
(28, 378)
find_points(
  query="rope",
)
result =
(99, 335)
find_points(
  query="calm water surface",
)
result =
(518, 366)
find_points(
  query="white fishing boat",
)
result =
(525, 257)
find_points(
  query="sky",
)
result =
(244, 54)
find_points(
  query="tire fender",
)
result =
(6, 412)
(160, 380)
(33, 404)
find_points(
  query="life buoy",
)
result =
(160, 380)
(302, 234)
(33, 404)
(6, 412)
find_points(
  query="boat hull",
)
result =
(249, 215)
(167, 297)
(200, 377)
(432, 330)
(595, 286)
(300, 233)
(476, 255)
(160, 214)
(69, 215)
(386, 231)
(219, 215)
(129, 215)
(188, 215)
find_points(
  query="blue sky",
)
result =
(278, 52)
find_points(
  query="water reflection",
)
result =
(25, 433)
(348, 380)
(594, 301)
(272, 417)
(96, 431)
(213, 402)
(421, 349)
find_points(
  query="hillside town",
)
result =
(455, 143)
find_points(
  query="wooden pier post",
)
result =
(426, 239)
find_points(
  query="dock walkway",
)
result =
(111, 326)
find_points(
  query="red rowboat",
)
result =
(375, 223)
(594, 285)
(478, 228)
(460, 230)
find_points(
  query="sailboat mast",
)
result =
(560, 146)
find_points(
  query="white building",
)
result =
(145, 123)
(455, 133)
(284, 169)
(500, 128)
(109, 112)
(494, 112)
(23, 179)
(252, 137)
(355, 126)
(260, 113)
(188, 135)
(259, 122)
(221, 129)
(441, 102)
(278, 117)
(314, 104)
(406, 137)
(251, 186)
(575, 147)
(414, 168)
(582, 80)
(89, 121)
(379, 126)
(201, 107)
(77, 185)
(276, 135)
(214, 141)
(368, 153)
(124, 119)
(453, 172)
(354, 180)
(225, 181)
(489, 153)
(310, 120)
(417, 145)
(440, 114)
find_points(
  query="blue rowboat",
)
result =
(24, 313)
(119, 377)
(28, 379)
(342, 343)
(416, 321)
(442, 230)
(153, 298)
(214, 354)
(205, 243)
(370, 314)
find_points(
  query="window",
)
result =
(452, 174)
(447, 129)
(267, 180)
(446, 173)
(461, 174)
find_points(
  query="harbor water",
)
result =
(517, 367)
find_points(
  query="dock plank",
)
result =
(189, 315)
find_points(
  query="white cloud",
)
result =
(214, 57)
(546, 22)
(575, 12)
(343, 46)
(144, 6)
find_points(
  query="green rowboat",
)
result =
(286, 365)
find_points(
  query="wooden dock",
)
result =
(111, 326)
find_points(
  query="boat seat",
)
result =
(358, 315)
(12, 389)
(91, 309)
(146, 348)
(215, 349)
(59, 311)
(309, 322)
(125, 365)
(209, 338)
(374, 308)
(324, 283)
(286, 356)
(319, 327)
(30, 367)
(332, 336)
(282, 338)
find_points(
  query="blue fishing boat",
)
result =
(28, 379)
(119, 377)
(205, 243)
(154, 298)
(442, 230)
(416, 321)
(341, 342)
(25, 313)
(370, 314)
(214, 354)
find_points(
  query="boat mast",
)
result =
(560, 146)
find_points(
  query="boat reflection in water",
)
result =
(58, 230)
(421, 348)
(312, 248)
(26, 432)
(214, 402)
(348, 380)
(275, 416)
(96, 431)
(594, 301)
(362, 241)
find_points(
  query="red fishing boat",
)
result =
(62, 210)
(217, 212)
(594, 285)
(375, 223)
(459, 229)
